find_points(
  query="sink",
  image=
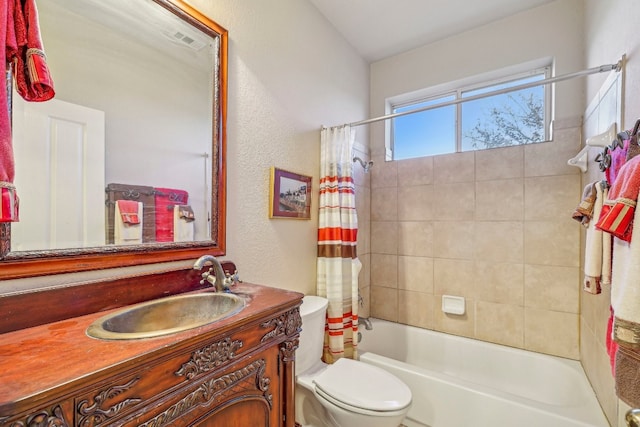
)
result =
(165, 316)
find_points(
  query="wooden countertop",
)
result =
(40, 361)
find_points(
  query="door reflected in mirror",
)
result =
(123, 155)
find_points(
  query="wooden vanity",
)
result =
(238, 371)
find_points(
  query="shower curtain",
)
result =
(338, 265)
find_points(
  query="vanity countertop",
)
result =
(40, 361)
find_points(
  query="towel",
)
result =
(129, 211)
(595, 249)
(612, 346)
(22, 50)
(625, 290)
(618, 159)
(33, 79)
(584, 211)
(165, 199)
(617, 213)
(183, 223)
(126, 230)
(627, 376)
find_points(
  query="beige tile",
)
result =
(453, 239)
(500, 241)
(384, 270)
(500, 200)
(455, 167)
(416, 309)
(384, 174)
(384, 237)
(500, 323)
(548, 198)
(550, 158)
(552, 242)
(364, 310)
(415, 238)
(551, 332)
(363, 203)
(384, 303)
(453, 277)
(415, 274)
(552, 287)
(364, 277)
(384, 204)
(364, 237)
(454, 202)
(499, 282)
(416, 203)
(462, 325)
(418, 171)
(500, 163)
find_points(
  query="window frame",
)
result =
(459, 87)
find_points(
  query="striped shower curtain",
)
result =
(338, 265)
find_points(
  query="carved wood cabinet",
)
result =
(236, 372)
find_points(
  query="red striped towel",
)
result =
(617, 213)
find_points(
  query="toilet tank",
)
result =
(312, 311)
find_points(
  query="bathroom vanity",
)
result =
(237, 371)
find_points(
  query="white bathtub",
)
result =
(461, 382)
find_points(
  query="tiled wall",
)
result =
(493, 226)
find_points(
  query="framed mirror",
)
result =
(126, 165)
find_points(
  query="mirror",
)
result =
(126, 165)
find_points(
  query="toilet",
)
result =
(347, 393)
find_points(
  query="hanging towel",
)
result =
(625, 291)
(618, 211)
(126, 230)
(165, 199)
(618, 159)
(22, 51)
(183, 223)
(33, 79)
(584, 211)
(595, 248)
(612, 346)
(627, 376)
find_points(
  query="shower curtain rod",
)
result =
(601, 69)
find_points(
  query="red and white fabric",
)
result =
(338, 264)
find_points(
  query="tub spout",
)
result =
(366, 322)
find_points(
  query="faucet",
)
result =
(366, 322)
(215, 275)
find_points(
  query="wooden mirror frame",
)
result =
(37, 263)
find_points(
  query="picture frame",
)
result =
(289, 195)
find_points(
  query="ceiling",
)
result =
(383, 28)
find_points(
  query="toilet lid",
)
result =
(360, 385)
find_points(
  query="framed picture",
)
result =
(289, 195)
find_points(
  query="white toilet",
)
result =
(347, 393)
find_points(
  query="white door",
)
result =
(60, 155)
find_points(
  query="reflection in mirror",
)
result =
(128, 156)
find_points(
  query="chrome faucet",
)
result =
(215, 275)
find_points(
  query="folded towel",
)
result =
(584, 211)
(129, 211)
(625, 290)
(127, 233)
(617, 213)
(9, 203)
(594, 242)
(627, 376)
(183, 223)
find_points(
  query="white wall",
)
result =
(289, 74)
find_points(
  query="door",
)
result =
(60, 155)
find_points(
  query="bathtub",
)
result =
(459, 382)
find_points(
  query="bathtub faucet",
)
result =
(366, 322)
(215, 275)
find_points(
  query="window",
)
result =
(472, 118)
